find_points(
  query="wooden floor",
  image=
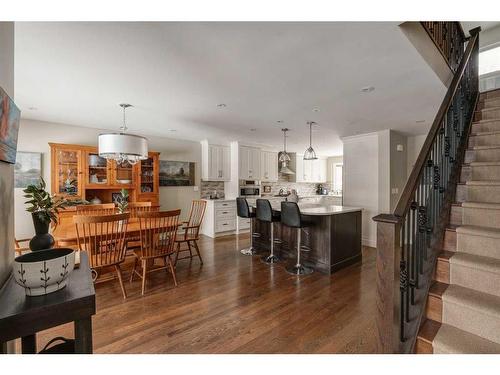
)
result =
(236, 304)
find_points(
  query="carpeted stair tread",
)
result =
(451, 340)
(476, 230)
(486, 264)
(483, 183)
(488, 206)
(485, 147)
(485, 133)
(485, 303)
(483, 163)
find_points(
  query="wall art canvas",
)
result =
(9, 127)
(176, 173)
(28, 169)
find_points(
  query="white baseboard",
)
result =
(370, 242)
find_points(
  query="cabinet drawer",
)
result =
(226, 204)
(243, 223)
(225, 213)
(225, 225)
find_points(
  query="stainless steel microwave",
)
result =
(246, 191)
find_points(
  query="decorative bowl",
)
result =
(124, 181)
(45, 271)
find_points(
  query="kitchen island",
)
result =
(332, 240)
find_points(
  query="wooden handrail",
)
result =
(409, 190)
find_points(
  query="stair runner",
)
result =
(468, 288)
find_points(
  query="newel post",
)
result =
(388, 293)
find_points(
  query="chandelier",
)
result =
(123, 147)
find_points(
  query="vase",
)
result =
(44, 272)
(43, 239)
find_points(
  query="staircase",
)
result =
(463, 305)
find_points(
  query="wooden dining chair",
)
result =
(191, 230)
(103, 237)
(157, 233)
(20, 249)
(135, 207)
(96, 209)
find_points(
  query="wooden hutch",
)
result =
(78, 172)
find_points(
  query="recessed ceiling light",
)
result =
(368, 89)
(420, 121)
(221, 105)
(172, 130)
(315, 109)
(280, 121)
(32, 108)
(253, 129)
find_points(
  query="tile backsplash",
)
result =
(303, 188)
(209, 187)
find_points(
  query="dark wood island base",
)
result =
(330, 243)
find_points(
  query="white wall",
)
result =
(489, 38)
(34, 136)
(414, 145)
(398, 167)
(6, 170)
(361, 174)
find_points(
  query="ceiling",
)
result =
(176, 74)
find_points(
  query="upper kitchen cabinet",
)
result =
(269, 166)
(249, 163)
(311, 170)
(215, 162)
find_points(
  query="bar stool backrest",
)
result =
(290, 215)
(242, 208)
(264, 210)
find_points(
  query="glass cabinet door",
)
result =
(68, 178)
(146, 176)
(123, 173)
(97, 170)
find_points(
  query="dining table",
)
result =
(66, 234)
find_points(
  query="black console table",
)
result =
(22, 316)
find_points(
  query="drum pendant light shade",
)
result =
(123, 147)
(118, 146)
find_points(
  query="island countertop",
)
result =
(317, 209)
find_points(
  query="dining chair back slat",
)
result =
(135, 207)
(158, 232)
(96, 209)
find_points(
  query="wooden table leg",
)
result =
(83, 336)
(28, 344)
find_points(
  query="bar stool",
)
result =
(290, 216)
(243, 211)
(265, 213)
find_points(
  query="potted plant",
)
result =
(44, 209)
(122, 201)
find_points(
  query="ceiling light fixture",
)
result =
(310, 154)
(316, 109)
(284, 157)
(221, 105)
(123, 147)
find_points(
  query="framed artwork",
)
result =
(28, 169)
(9, 127)
(176, 173)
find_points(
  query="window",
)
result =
(337, 178)
(489, 61)
(489, 69)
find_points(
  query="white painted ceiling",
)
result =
(175, 74)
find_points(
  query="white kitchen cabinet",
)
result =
(313, 171)
(215, 162)
(269, 166)
(220, 218)
(249, 163)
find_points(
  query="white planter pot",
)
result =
(43, 272)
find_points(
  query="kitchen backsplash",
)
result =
(208, 187)
(303, 188)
